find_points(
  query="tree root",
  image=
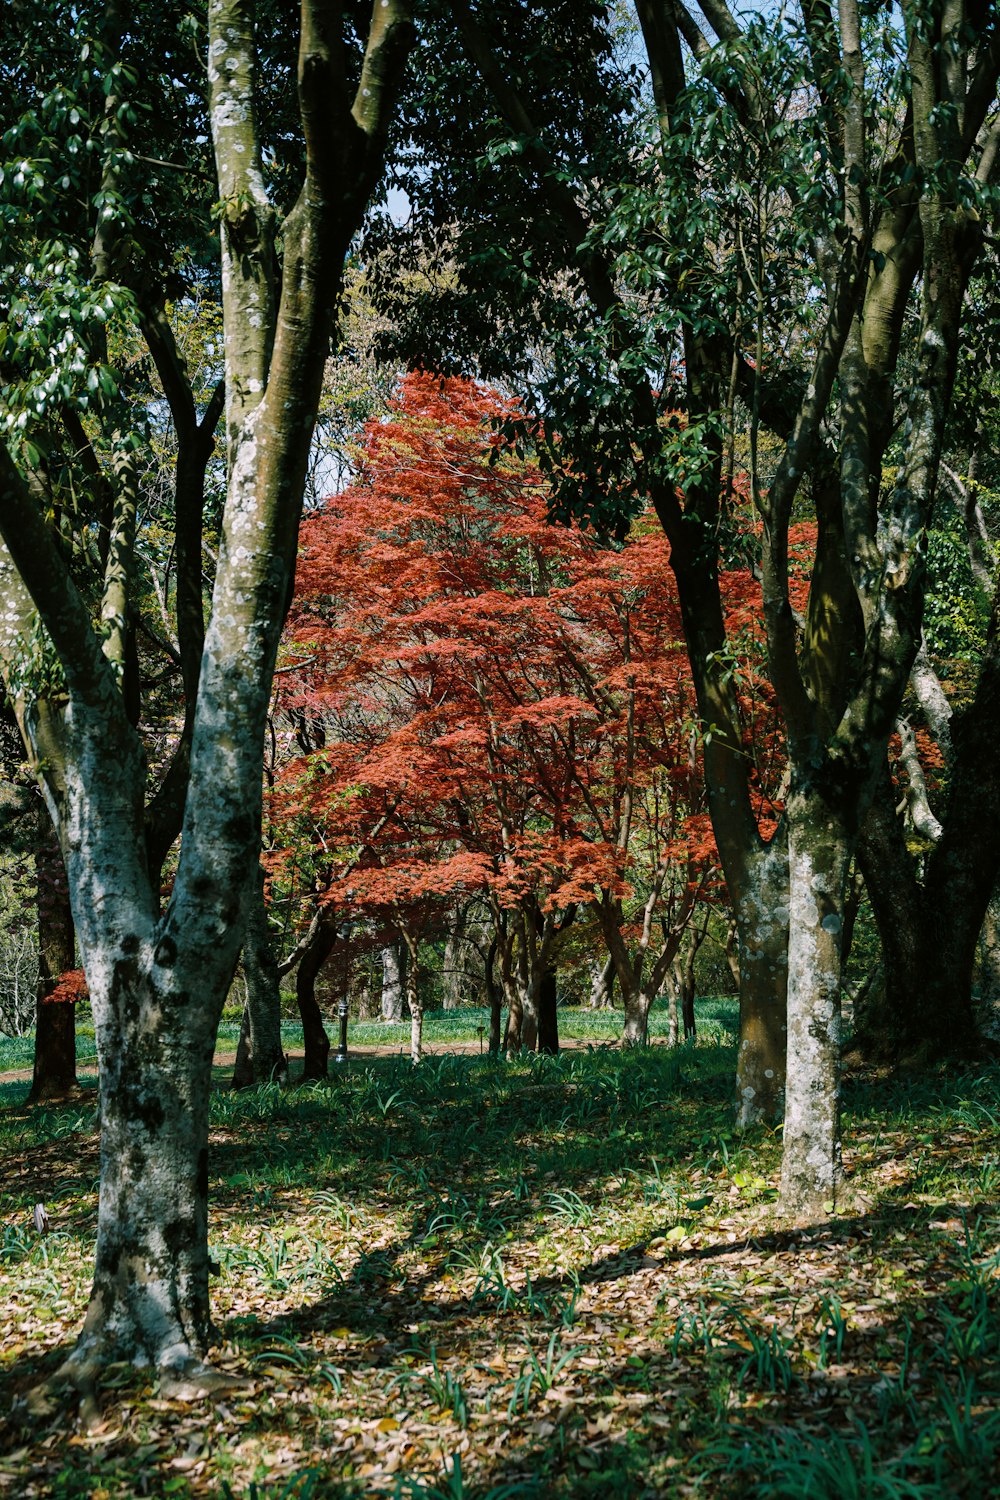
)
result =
(182, 1377)
(76, 1379)
(193, 1380)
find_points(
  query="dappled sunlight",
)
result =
(561, 1270)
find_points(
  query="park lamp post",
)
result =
(340, 1056)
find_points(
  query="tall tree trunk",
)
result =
(513, 1034)
(55, 1020)
(673, 1024)
(988, 960)
(453, 977)
(494, 996)
(819, 854)
(413, 996)
(929, 931)
(316, 1043)
(964, 866)
(762, 922)
(393, 971)
(548, 1015)
(153, 1203)
(260, 1057)
(527, 983)
(687, 1011)
(880, 1017)
(509, 986)
(683, 968)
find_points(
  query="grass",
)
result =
(469, 1025)
(556, 1276)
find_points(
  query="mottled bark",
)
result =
(153, 1204)
(929, 928)
(819, 854)
(602, 984)
(964, 866)
(638, 1004)
(393, 972)
(413, 1001)
(762, 924)
(55, 1020)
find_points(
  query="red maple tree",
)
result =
(484, 701)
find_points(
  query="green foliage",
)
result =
(956, 609)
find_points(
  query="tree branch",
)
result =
(40, 566)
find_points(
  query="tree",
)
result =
(158, 977)
(868, 150)
(499, 701)
(929, 842)
(60, 985)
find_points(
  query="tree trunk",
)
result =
(819, 855)
(548, 1016)
(638, 1003)
(495, 999)
(529, 1022)
(673, 1026)
(316, 1043)
(602, 985)
(393, 970)
(260, 1057)
(55, 1020)
(923, 1009)
(158, 975)
(732, 953)
(413, 999)
(526, 990)
(150, 1291)
(687, 1012)
(880, 1016)
(512, 1037)
(684, 972)
(762, 920)
(243, 1066)
(987, 973)
(453, 988)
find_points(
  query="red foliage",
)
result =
(486, 700)
(70, 987)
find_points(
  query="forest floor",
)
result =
(556, 1276)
